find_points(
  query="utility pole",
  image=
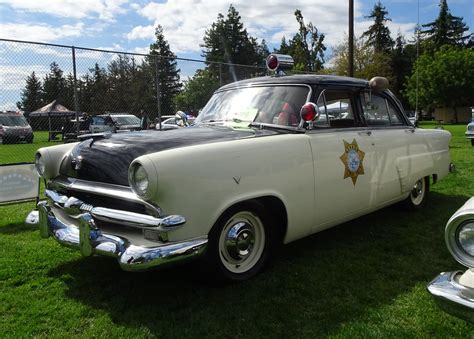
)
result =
(351, 38)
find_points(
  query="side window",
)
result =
(378, 111)
(336, 109)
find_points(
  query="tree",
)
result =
(284, 48)
(95, 91)
(307, 47)
(31, 95)
(227, 41)
(197, 91)
(162, 60)
(447, 29)
(444, 79)
(262, 53)
(403, 58)
(121, 72)
(367, 62)
(378, 34)
(54, 84)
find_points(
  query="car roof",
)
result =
(309, 79)
(115, 115)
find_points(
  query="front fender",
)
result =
(200, 182)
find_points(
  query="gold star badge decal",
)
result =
(352, 159)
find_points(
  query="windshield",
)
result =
(127, 120)
(13, 120)
(279, 105)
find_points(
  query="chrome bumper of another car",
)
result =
(91, 240)
(451, 296)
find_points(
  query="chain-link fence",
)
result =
(53, 93)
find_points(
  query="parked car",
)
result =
(454, 291)
(256, 170)
(171, 122)
(470, 132)
(412, 117)
(14, 128)
(114, 123)
(70, 128)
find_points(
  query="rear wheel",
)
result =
(472, 142)
(241, 243)
(418, 194)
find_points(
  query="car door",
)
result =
(97, 125)
(344, 155)
(396, 141)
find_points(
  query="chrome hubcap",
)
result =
(418, 192)
(241, 242)
(417, 189)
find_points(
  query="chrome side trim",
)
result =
(90, 240)
(106, 190)
(75, 207)
(451, 296)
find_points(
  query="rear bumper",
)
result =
(131, 257)
(451, 296)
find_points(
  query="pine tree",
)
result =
(447, 29)
(31, 95)
(120, 75)
(378, 34)
(403, 58)
(54, 85)
(163, 60)
(284, 47)
(95, 92)
(228, 41)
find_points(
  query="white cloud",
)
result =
(12, 78)
(78, 9)
(184, 22)
(142, 32)
(40, 32)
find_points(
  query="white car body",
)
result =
(305, 176)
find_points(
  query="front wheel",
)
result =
(472, 142)
(241, 242)
(418, 194)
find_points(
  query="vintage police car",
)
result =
(265, 163)
(454, 291)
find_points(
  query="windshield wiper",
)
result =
(279, 128)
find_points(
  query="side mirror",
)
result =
(309, 112)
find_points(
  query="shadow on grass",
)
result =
(17, 228)
(314, 287)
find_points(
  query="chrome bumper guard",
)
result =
(451, 296)
(90, 240)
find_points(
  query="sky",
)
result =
(123, 25)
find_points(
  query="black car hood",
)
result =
(107, 159)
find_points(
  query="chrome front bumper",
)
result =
(90, 240)
(451, 296)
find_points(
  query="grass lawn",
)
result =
(365, 278)
(16, 153)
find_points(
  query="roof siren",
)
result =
(378, 84)
(279, 62)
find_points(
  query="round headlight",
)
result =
(466, 237)
(139, 179)
(40, 164)
(459, 234)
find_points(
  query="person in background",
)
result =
(144, 121)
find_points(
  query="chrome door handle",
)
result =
(369, 133)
